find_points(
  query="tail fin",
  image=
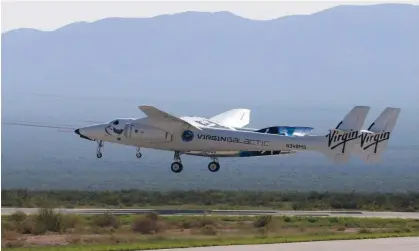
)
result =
(237, 118)
(374, 140)
(342, 140)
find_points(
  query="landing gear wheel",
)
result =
(99, 148)
(213, 166)
(138, 154)
(176, 167)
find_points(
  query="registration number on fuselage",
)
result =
(296, 146)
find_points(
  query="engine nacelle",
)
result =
(146, 133)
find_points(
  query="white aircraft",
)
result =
(224, 136)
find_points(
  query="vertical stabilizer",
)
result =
(236, 118)
(342, 140)
(373, 141)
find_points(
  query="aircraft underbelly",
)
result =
(238, 153)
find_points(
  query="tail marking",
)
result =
(373, 139)
(337, 138)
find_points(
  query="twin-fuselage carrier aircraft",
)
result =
(224, 135)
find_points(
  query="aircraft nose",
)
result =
(77, 131)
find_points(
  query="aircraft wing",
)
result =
(165, 118)
(235, 118)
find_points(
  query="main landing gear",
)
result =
(177, 166)
(214, 166)
(99, 148)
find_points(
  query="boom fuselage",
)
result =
(145, 133)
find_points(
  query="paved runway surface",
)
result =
(390, 244)
(415, 215)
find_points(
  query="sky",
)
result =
(50, 15)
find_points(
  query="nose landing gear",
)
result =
(138, 154)
(99, 148)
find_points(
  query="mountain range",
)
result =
(346, 54)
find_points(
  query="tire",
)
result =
(213, 166)
(176, 167)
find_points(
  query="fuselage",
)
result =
(147, 133)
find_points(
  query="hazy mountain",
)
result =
(306, 70)
(349, 54)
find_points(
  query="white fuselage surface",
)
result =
(149, 134)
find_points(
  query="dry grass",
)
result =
(48, 228)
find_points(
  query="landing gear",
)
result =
(99, 148)
(214, 166)
(177, 166)
(138, 154)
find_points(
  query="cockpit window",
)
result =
(116, 122)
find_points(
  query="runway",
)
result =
(388, 244)
(168, 212)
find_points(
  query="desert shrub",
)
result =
(296, 206)
(333, 220)
(152, 216)
(364, 231)
(205, 221)
(6, 225)
(28, 226)
(106, 220)
(287, 219)
(199, 222)
(209, 230)
(70, 221)
(47, 220)
(351, 224)
(312, 219)
(148, 224)
(186, 224)
(18, 216)
(262, 232)
(262, 221)
(403, 230)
